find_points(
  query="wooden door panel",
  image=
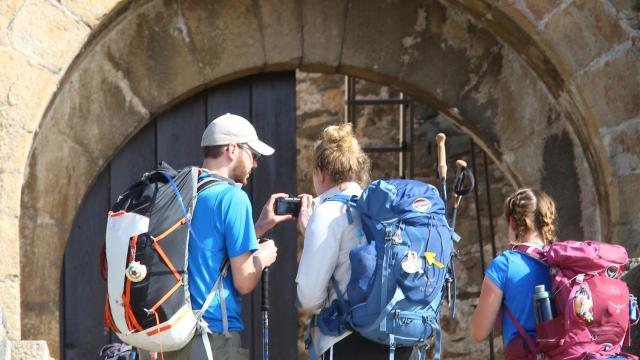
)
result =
(135, 158)
(233, 97)
(273, 116)
(179, 131)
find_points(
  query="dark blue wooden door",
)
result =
(268, 101)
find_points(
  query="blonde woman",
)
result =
(512, 276)
(340, 166)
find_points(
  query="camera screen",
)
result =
(285, 206)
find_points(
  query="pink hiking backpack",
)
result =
(594, 311)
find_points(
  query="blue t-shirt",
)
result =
(517, 275)
(223, 223)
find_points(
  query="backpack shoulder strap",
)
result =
(207, 182)
(528, 339)
(535, 252)
(348, 200)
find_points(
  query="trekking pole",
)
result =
(265, 314)
(442, 167)
(459, 188)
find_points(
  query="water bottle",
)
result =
(542, 307)
(633, 309)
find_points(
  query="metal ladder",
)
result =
(404, 147)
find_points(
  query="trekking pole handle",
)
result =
(442, 157)
(461, 166)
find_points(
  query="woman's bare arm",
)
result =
(484, 316)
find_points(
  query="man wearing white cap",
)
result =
(223, 224)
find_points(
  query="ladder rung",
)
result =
(384, 148)
(392, 101)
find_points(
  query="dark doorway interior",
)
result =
(268, 100)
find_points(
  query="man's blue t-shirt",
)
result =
(223, 223)
(517, 275)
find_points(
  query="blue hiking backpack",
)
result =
(398, 277)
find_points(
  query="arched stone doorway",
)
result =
(478, 64)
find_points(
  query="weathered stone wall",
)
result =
(549, 89)
(38, 41)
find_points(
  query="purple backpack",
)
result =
(594, 310)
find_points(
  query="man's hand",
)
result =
(265, 255)
(268, 218)
(306, 209)
(247, 268)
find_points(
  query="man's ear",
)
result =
(231, 152)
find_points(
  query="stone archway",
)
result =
(486, 67)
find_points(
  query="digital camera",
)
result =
(287, 206)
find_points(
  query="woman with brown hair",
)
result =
(511, 277)
(340, 166)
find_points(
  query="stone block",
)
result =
(612, 89)
(45, 241)
(525, 109)
(559, 162)
(531, 169)
(30, 350)
(25, 90)
(7, 13)
(47, 34)
(629, 205)
(391, 46)
(627, 235)
(281, 27)
(9, 246)
(91, 12)
(622, 147)
(10, 302)
(167, 49)
(323, 33)
(10, 189)
(628, 11)
(42, 262)
(540, 8)
(5, 344)
(583, 31)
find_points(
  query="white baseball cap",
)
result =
(234, 129)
